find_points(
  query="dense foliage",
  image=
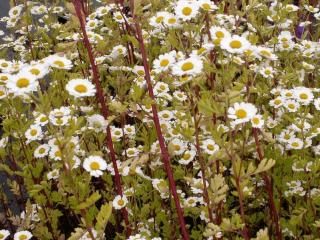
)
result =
(171, 119)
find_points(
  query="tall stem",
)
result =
(266, 178)
(163, 147)
(104, 108)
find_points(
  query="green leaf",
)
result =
(103, 217)
(265, 165)
(90, 201)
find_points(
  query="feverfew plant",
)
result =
(179, 119)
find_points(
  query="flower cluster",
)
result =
(179, 119)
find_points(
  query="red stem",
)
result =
(267, 180)
(104, 109)
(163, 147)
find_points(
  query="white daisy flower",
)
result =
(186, 10)
(190, 66)
(171, 21)
(119, 202)
(37, 70)
(80, 88)
(257, 121)
(16, 11)
(242, 112)
(5, 66)
(316, 103)
(22, 235)
(4, 234)
(277, 102)
(291, 105)
(41, 151)
(157, 20)
(54, 174)
(55, 153)
(34, 133)
(303, 95)
(22, 83)
(235, 44)
(118, 17)
(163, 62)
(181, 96)
(209, 146)
(295, 143)
(266, 53)
(187, 157)
(207, 5)
(178, 146)
(97, 122)
(3, 92)
(116, 133)
(291, 8)
(190, 202)
(56, 61)
(95, 165)
(41, 120)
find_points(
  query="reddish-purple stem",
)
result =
(163, 147)
(104, 108)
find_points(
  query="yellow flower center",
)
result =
(33, 132)
(23, 83)
(94, 166)
(186, 156)
(210, 147)
(35, 71)
(265, 53)
(295, 144)
(119, 17)
(291, 105)
(120, 202)
(1, 93)
(57, 154)
(303, 96)
(43, 119)
(81, 88)
(1, 236)
(59, 63)
(177, 147)
(140, 72)
(23, 237)
(159, 19)
(277, 101)
(256, 121)
(130, 152)
(4, 78)
(206, 6)
(219, 34)
(4, 64)
(187, 66)
(165, 115)
(235, 44)
(267, 71)
(241, 113)
(42, 150)
(164, 62)
(216, 41)
(172, 20)
(186, 11)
